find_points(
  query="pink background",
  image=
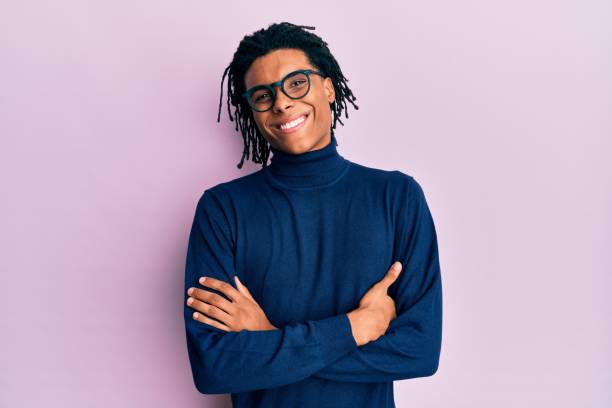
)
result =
(501, 110)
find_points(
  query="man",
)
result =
(301, 305)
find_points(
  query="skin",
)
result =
(376, 309)
(369, 320)
(316, 131)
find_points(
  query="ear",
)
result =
(330, 92)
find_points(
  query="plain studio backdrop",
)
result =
(501, 110)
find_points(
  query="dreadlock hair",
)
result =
(276, 36)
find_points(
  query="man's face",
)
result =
(314, 132)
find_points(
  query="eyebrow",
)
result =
(268, 83)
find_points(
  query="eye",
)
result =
(262, 97)
(297, 82)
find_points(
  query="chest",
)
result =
(308, 257)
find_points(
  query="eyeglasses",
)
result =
(295, 85)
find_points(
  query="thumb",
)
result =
(392, 273)
(242, 289)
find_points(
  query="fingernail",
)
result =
(190, 291)
(397, 266)
(202, 280)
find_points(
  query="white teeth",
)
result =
(293, 123)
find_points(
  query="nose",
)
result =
(282, 101)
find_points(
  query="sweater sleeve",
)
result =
(411, 346)
(230, 362)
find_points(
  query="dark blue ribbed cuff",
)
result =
(335, 337)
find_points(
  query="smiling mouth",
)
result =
(293, 125)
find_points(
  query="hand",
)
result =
(376, 309)
(241, 313)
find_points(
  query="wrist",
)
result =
(359, 327)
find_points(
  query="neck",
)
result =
(315, 168)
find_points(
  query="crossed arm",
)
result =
(224, 362)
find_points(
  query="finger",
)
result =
(221, 286)
(210, 310)
(203, 319)
(243, 289)
(213, 299)
(392, 274)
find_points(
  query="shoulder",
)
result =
(223, 199)
(239, 184)
(398, 181)
(234, 188)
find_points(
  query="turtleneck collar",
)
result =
(315, 168)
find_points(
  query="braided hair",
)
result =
(260, 43)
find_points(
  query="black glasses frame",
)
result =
(281, 84)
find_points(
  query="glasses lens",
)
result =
(296, 86)
(261, 99)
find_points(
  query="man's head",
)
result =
(268, 56)
(314, 107)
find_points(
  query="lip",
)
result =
(294, 129)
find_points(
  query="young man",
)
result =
(301, 305)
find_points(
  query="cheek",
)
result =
(321, 108)
(260, 124)
(260, 120)
(323, 112)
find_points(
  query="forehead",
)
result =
(274, 66)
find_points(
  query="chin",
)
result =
(299, 144)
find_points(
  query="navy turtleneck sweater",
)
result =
(308, 235)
